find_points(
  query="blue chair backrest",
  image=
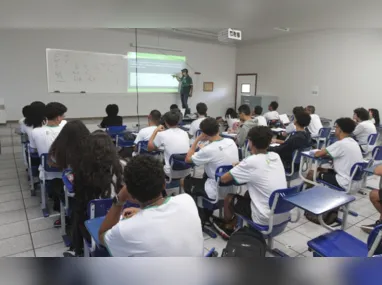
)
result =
(32, 153)
(297, 154)
(220, 171)
(142, 146)
(324, 132)
(372, 237)
(67, 179)
(125, 143)
(357, 170)
(377, 153)
(102, 206)
(372, 139)
(177, 162)
(115, 130)
(282, 205)
(44, 162)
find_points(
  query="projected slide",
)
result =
(154, 72)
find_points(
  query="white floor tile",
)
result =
(15, 245)
(7, 149)
(7, 182)
(14, 229)
(11, 175)
(9, 189)
(10, 197)
(12, 217)
(55, 250)
(294, 240)
(32, 202)
(46, 237)
(34, 213)
(10, 170)
(218, 243)
(11, 206)
(311, 230)
(40, 224)
(29, 253)
(358, 233)
(285, 249)
(351, 219)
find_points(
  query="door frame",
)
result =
(244, 74)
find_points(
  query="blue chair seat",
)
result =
(338, 244)
(277, 229)
(330, 185)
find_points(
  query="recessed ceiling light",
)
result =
(282, 29)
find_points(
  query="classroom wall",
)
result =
(345, 65)
(23, 70)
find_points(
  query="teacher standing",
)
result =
(186, 87)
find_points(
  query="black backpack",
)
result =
(329, 218)
(245, 242)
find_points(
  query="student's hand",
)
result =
(124, 195)
(202, 137)
(274, 140)
(129, 212)
(284, 134)
(235, 164)
(160, 128)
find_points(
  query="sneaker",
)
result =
(369, 228)
(57, 223)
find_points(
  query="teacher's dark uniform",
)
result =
(185, 88)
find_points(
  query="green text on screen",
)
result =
(155, 72)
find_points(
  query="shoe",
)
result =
(368, 228)
(57, 223)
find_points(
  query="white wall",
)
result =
(23, 71)
(346, 65)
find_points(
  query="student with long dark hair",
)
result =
(374, 116)
(65, 151)
(97, 175)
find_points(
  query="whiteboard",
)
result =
(70, 71)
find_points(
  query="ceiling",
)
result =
(256, 18)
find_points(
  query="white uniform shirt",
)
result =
(264, 174)
(172, 229)
(215, 154)
(345, 154)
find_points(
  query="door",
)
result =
(246, 84)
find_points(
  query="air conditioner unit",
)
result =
(229, 35)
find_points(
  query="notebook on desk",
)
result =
(284, 119)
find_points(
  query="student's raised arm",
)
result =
(193, 148)
(151, 145)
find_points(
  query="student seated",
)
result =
(175, 108)
(201, 108)
(41, 140)
(161, 227)
(98, 174)
(172, 140)
(146, 133)
(264, 173)
(376, 200)
(232, 119)
(112, 119)
(272, 115)
(25, 112)
(35, 117)
(364, 128)
(298, 140)
(291, 128)
(218, 152)
(315, 124)
(345, 153)
(374, 116)
(246, 124)
(258, 118)
(66, 151)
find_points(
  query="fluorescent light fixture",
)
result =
(281, 29)
(155, 47)
(194, 32)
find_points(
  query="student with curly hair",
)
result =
(97, 175)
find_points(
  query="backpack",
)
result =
(329, 217)
(245, 242)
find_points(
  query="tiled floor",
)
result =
(24, 232)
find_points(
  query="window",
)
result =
(245, 88)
